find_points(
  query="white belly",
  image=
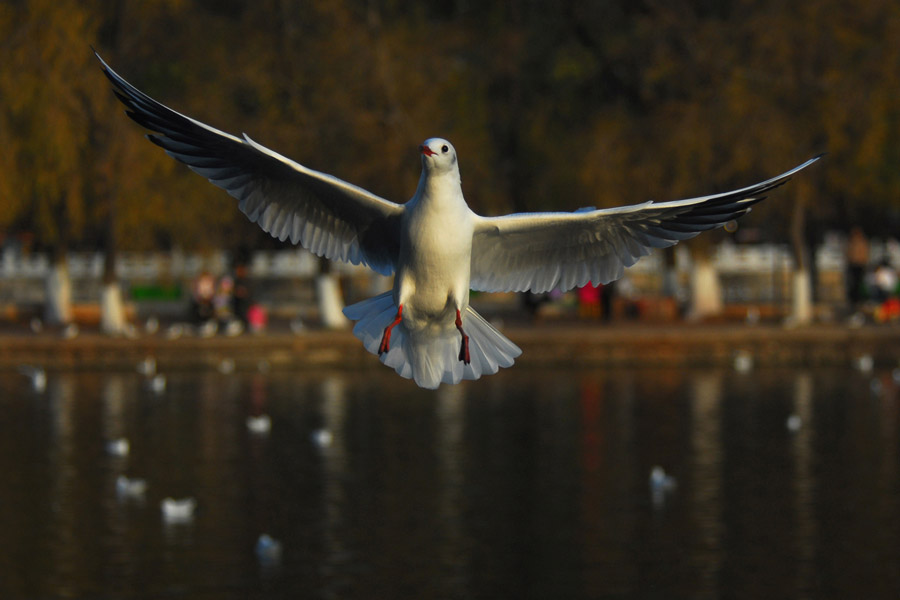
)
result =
(432, 280)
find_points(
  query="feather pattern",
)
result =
(322, 213)
(431, 359)
(543, 251)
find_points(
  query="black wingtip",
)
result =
(100, 58)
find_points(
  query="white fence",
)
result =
(751, 272)
(163, 266)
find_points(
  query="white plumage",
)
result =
(179, 510)
(437, 248)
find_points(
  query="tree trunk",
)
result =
(801, 298)
(706, 289)
(112, 310)
(58, 291)
(328, 296)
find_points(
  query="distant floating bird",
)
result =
(118, 447)
(260, 425)
(130, 331)
(226, 366)
(322, 438)
(70, 331)
(147, 366)
(37, 375)
(661, 485)
(130, 488)
(178, 511)
(268, 549)
(659, 480)
(794, 423)
(36, 325)
(158, 383)
(743, 361)
(865, 363)
(435, 245)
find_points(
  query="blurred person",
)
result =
(884, 281)
(885, 284)
(241, 296)
(223, 300)
(629, 294)
(532, 303)
(589, 301)
(606, 297)
(203, 289)
(257, 318)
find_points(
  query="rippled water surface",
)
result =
(529, 484)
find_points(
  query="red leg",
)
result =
(386, 336)
(464, 348)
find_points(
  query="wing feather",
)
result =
(324, 214)
(543, 251)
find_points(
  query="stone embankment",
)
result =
(543, 345)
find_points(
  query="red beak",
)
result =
(426, 150)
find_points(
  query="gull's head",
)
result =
(438, 156)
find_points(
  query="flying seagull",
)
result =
(434, 245)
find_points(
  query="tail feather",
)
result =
(427, 358)
(504, 351)
(373, 315)
(482, 362)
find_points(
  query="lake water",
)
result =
(528, 484)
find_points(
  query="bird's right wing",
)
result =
(324, 214)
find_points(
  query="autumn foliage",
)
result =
(551, 105)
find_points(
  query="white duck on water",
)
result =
(437, 248)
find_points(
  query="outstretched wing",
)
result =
(324, 214)
(543, 251)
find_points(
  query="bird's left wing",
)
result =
(324, 214)
(543, 251)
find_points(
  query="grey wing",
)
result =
(324, 214)
(543, 251)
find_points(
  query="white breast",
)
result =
(435, 256)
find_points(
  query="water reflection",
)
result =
(804, 483)
(450, 447)
(532, 484)
(706, 460)
(334, 456)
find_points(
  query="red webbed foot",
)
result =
(464, 347)
(386, 336)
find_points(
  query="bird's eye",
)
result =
(445, 149)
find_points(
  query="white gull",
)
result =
(434, 245)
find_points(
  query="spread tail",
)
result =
(431, 359)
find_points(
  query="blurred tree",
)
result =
(552, 106)
(47, 89)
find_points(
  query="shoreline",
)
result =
(551, 345)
